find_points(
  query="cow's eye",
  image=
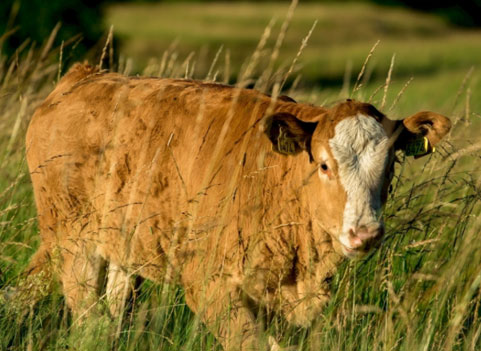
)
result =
(324, 167)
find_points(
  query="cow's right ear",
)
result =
(421, 132)
(288, 134)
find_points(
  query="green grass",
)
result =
(345, 32)
(419, 291)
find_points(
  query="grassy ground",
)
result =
(419, 291)
(344, 33)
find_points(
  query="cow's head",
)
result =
(353, 147)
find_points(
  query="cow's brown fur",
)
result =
(174, 180)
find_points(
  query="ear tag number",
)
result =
(418, 146)
(284, 144)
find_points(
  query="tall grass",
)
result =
(419, 291)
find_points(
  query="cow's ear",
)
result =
(288, 134)
(422, 131)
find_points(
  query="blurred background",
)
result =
(432, 40)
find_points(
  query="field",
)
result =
(419, 291)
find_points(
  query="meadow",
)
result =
(419, 291)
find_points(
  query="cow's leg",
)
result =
(82, 278)
(303, 302)
(39, 263)
(300, 305)
(118, 289)
(225, 312)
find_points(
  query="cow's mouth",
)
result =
(350, 252)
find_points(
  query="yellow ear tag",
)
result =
(418, 146)
(284, 144)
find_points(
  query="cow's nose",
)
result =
(365, 236)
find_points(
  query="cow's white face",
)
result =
(355, 159)
(353, 146)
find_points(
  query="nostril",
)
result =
(354, 240)
(363, 232)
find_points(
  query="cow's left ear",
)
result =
(421, 132)
(288, 134)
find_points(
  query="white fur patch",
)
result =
(360, 147)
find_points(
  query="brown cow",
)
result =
(248, 202)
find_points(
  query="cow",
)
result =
(247, 201)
